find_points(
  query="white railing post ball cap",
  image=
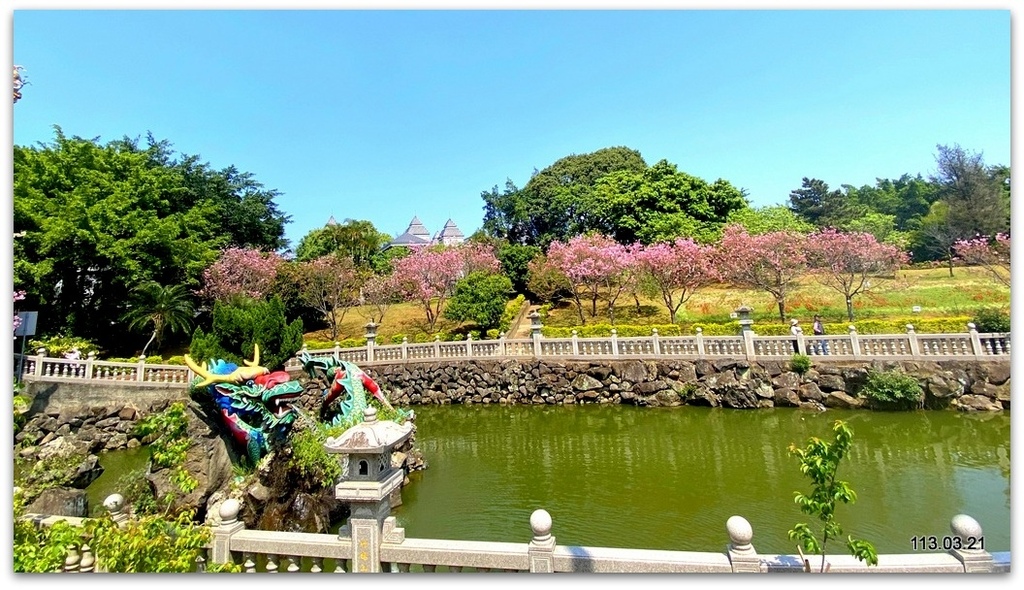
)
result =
(965, 527)
(740, 532)
(114, 503)
(229, 510)
(971, 326)
(540, 522)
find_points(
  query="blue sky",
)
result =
(386, 115)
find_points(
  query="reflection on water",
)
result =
(669, 478)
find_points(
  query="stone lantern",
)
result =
(371, 333)
(746, 324)
(366, 483)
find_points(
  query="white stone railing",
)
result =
(750, 346)
(43, 368)
(275, 551)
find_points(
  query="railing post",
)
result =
(915, 346)
(40, 355)
(854, 342)
(700, 342)
(89, 360)
(747, 331)
(469, 345)
(969, 537)
(655, 344)
(542, 546)
(141, 371)
(742, 555)
(437, 346)
(337, 351)
(501, 344)
(575, 344)
(405, 348)
(371, 340)
(229, 525)
(975, 340)
(115, 506)
(535, 329)
(615, 343)
(801, 346)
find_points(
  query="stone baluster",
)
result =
(88, 563)
(742, 555)
(201, 560)
(249, 562)
(429, 568)
(542, 547)
(229, 525)
(272, 563)
(294, 562)
(317, 565)
(73, 560)
(969, 545)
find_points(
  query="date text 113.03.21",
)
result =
(933, 543)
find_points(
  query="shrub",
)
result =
(512, 309)
(480, 298)
(991, 319)
(893, 390)
(309, 457)
(57, 346)
(240, 324)
(800, 363)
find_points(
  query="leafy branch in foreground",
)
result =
(820, 460)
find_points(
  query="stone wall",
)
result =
(963, 385)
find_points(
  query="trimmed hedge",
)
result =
(954, 325)
(512, 309)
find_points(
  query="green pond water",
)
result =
(669, 478)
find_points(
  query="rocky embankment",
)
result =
(961, 385)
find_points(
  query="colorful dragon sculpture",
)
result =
(348, 382)
(254, 403)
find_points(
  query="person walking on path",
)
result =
(819, 330)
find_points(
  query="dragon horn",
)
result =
(255, 362)
(208, 377)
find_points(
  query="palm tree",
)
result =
(163, 307)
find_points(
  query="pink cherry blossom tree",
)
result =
(330, 285)
(991, 254)
(852, 263)
(772, 262)
(429, 275)
(594, 265)
(240, 272)
(678, 269)
(18, 296)
(379, 293)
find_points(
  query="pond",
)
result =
(669, 478)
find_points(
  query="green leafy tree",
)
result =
(241, 323)
(553, 204)
(162, 308)
(820, 206)
(765, 220)
(358, 239)
(480, 297)
(658, 203)
(978, 200)
(819, 460)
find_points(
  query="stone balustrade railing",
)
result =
(846, 347)
(275, 551)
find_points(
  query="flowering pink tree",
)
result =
(771, 262)
(379, 293)
(849, 261)
(991, 254)
(330, 285)
(18, 296)
(678, 269)
(240, 272)
(594, 265)
(429, 275)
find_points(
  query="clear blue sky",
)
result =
(386, 115)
